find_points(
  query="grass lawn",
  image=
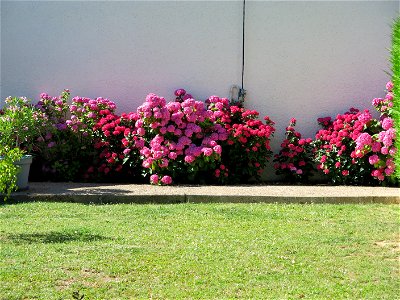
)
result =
(199, 251)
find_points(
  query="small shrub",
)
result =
(294, 160)
(20, 124)
(334, 148)
(66, 149)
(118, 154)
(357, 149)
(246, 150)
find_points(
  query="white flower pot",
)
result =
(23, 174)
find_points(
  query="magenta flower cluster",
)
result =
(294, 160)
(355, 147)
(246, 150)
(379, 147)
(66, 149)
(180, 141)
(215, 141)
(179, 138)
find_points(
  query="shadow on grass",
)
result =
(55, 237)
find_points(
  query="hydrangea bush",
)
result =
(294, 160)
(54, 157)
(334, 148)
(354, 148)
(117, 152)
(190, 141)
(177, 140)
(379, 146)
(246, 150)
(66, 149)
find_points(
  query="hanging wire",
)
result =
(243, 36)
(238, 94)
(242, 91)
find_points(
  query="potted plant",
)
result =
(20, 125)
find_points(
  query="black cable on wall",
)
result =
(243, 37)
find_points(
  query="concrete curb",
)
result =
(133, 193)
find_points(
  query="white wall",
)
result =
(120, 50)
(303, 59)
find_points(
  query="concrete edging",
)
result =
(140, 194)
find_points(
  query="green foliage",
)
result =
(20, 124)
(395, 59)
(9, 171)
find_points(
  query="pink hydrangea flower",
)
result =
(180, 92)
(373, 159)
(189, 159)
(389, 86)
(207, 151)
(387, 123)
(154, 179)
(166, 179)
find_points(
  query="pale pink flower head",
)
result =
(364, 139)
(376, 147)
(377, 101)
(166, 179)
(392, 151)
(189, 159)
(389, 171)
(154, 179)
(365, 117)
(389, 96)
(172, 155)
(217, 149)
(389, 86)
(373, 159)
(180, 92)
(207, 151)
(387, 123)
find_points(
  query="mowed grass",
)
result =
(199, 251)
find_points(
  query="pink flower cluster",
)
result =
(182, 140)
(385, 105)
(54, 110)
(334, 147)
(86, 112)
(294, 159)
(247, 148)
(355, 147)
(115, 138)
(178, 137)
(379, 146)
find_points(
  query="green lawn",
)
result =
(199, 251)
